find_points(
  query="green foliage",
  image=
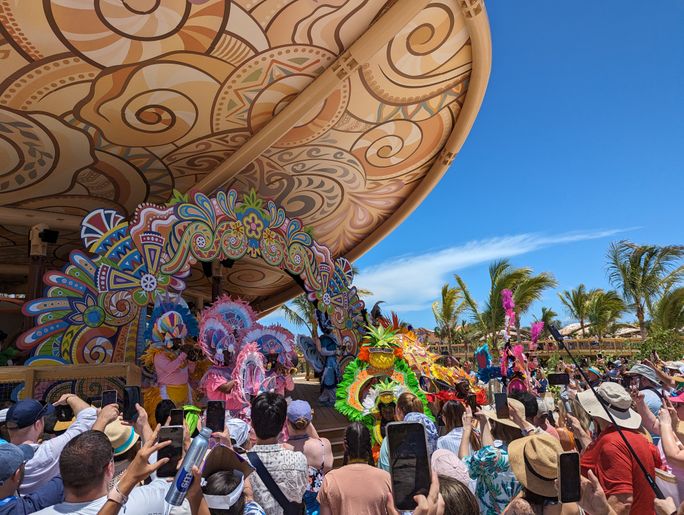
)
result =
(668, 312)
(575, 302)
(643, 273)
(380, 336)
(668, 344)
(446, 311)
(604, 309)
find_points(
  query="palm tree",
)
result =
(604, 309)
(668, 311)
(502, 276)
(301, 313)
(446, 311)
(643, 273)
(527, 291)
(575, 302)
(548, 316)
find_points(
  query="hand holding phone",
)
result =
(109, 397)
(569, 476)
(501, 405)
(409, 463)
(131, 398)
(216, 416)
(177, 417)
(173, 452)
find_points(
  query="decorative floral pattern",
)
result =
(105, 298)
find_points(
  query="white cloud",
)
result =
(412, 283)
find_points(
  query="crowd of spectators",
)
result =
(480, 462)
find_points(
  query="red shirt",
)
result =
(611, 461)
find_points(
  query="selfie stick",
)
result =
(559, 339)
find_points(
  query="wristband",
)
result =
(116, 496)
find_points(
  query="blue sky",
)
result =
(579, 142)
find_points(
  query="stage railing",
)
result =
(91, 379)
(581, 346)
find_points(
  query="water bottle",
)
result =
(193, 458)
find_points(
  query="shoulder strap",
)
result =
(269, 482)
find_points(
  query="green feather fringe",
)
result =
(351, 372)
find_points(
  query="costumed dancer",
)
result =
(220, 344)
(168, 354)
(326, 345)
(321, 353)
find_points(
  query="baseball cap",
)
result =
(298, 410)
(12, 457)
(27, 412)
(239, 431)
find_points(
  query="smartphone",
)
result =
(569, 476)
(216, 416)
(409, 462)
(558, 379)
(64, 413)
(472, 402)
(501, 405)
(173, 451)
(131, 398)
(177, 416)
(109, 397)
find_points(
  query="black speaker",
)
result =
(206, 268)
(48, 236)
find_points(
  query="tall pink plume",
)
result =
(507, 300)
(535, 333)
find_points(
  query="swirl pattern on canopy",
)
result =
(113, 103)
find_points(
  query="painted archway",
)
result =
(93, 307)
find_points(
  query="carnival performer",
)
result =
(219, 343)
(168, 355)
(326, 345)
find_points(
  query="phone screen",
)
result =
(472, 402)
(216, 416)
(177, 416)
(131, 398)
(173, 451)
(569, 476)
(409, 462)
(109, 397)
(64, 413)
(559, 379)
(501, 405)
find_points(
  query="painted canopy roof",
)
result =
(346, 112)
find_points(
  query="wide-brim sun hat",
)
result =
(121, 437)
(534, 461)
(513, 404)
(617, 400)
(644, 371)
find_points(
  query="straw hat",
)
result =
(534, 461)
(616, 400)
(514, 405)
(121, 437)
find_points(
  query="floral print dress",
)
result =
(495, 484)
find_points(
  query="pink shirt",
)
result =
(172, 371)
(212, 381)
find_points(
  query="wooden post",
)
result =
(29, 379)
(216, 277)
